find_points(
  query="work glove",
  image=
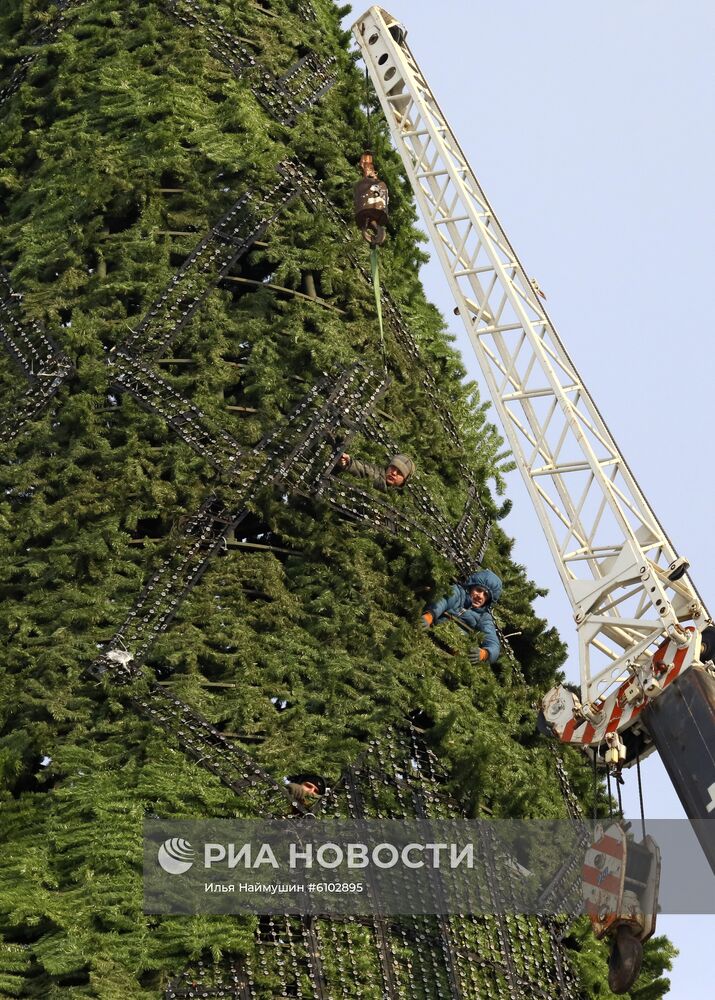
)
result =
(426, 620)
(477, 655)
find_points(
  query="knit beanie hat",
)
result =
(403, 464)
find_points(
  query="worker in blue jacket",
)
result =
(470, 606)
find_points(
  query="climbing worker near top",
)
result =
(470, 606)
(394, 477)
(371, 199)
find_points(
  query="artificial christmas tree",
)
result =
(198, 604)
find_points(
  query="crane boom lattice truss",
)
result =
(615, 560)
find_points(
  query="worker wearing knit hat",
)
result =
(404, 465)
(395, 476)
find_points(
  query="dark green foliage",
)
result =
(124, 104)
(591, 959)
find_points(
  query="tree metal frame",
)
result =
(615, 561)
(487, 953)
(291, 455)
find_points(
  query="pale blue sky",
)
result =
(590, 127)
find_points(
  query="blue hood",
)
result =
(489, 581)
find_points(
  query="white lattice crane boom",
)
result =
(639, 618)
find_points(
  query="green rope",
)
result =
(375, 271)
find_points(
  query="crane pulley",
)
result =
(620, 883)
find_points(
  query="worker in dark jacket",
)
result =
(395, 476)
(470, 606)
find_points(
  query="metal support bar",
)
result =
(212, 259)
(285, 98)
(41, 36)
(37, 357)
(136, 377)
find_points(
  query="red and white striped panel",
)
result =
(616, 714)
(603, 874)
